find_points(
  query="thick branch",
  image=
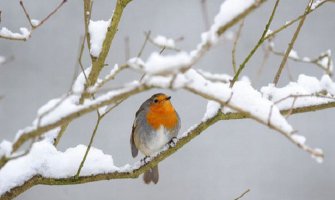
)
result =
(99, 63)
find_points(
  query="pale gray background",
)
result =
(221, 163)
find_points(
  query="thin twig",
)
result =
(204, 11)
(126, 48)
(100, 117)
(315, 61)
(290, 45)
(52, 13)
(260, 41)
(233, 53)
(244, 193)
(147, 36)
(27, 15)
(89, 145)
(274, 32)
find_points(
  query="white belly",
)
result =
(157, 141)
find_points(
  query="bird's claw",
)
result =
(145, 160)
(173, 142)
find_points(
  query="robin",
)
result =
(156, 124)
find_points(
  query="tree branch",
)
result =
(290, 45)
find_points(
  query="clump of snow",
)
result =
(212, 108)
(165, 64)
(136, 63)
(298, 138)
(44, 159)
(293, 54)
(306, 59)
(97, 30)
(287, 22)
(318, 158)
(305, 89)
(327, 84)
(316, 3)
(229, 10)
(35, 22)
(5, 148)
(103, 110)
(164, 42)
(242, 97)
(268, 32)
(51, 135)
(25, 33)
(326, 62)
(79, 85)
(225, 78)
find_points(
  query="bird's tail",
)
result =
(151, 175)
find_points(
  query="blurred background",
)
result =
(228, 158)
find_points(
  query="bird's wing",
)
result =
(134, 150)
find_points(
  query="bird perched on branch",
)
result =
(156, 124)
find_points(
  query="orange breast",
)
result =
(162, 114)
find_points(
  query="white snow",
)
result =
(97, 30)
(225, 78)
(293, 54)
(229, 10)
(212, 108)
(307, 87)
(164, 42)
(165, 64)
(298, 138)
(306, 59)
(68, 106)
(79, 85)
(35, 22)
(318, 159)
(326, 62)
(24, 33)
(5, 148)
(316, 3)
(44, 159)
(242, 97)
(268, 32)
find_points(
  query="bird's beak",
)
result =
(168, 98)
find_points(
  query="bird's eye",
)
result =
(155, 100)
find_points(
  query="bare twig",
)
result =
(274, 32)
(315, 61)
(147, 36)
(89, 145)
(26, 13)
(100, 117)
(126, 48)
(244, 193)
(260, 41)
(34, 26)
(290, 45)
(204, 11)
(52, 13)
(233, 53)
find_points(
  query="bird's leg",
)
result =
(173, 142)
(145, 160)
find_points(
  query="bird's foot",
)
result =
(145, 160)
(173, 142)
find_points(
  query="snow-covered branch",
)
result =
(24, 33)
